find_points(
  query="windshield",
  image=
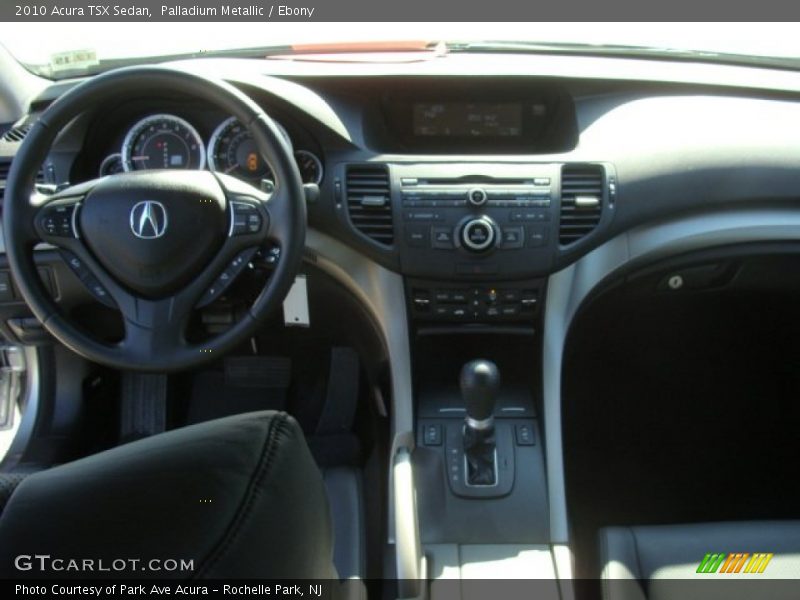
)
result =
(58, 50)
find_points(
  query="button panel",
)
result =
(525, 434)
(441, 211)
(246, 218)
(483, 303)
(91, 282)
(58, 219)
(432, 434)
(465, 222)
(227, 277)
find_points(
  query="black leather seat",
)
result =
(661, 562)
(239, 497)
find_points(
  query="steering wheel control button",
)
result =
(271, 255)
(478, 234)
(477, 197)
(97, 290)
(226, 278)
(59, 220)
(75, 264)
(246, 218)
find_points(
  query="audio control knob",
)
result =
(477, 197)
(478, 234)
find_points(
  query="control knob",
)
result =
(479, 234)
(477, 197)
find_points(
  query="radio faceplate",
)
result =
(476, 221)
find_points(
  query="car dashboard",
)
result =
(463, 198)
(474, 186)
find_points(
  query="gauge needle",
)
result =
(140, 157)
(231, 168)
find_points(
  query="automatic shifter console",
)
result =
(480, 381)
(478, 461)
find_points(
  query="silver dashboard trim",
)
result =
(32, 392)
(382, 292)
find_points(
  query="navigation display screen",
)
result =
(467, 119)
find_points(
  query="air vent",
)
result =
(5, 167)
(581, 201)
(17, 134)
(369, 201)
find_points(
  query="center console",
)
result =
(474, 248)
(466, 221)
(475, 244)
(479, 465)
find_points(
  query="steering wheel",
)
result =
(157, 242)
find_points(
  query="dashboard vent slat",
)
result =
(369, 202)
(17, 134)
(5, 167)
(578, 219)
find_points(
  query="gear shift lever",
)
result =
(480, 381)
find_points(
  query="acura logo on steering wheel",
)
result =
(148, 219)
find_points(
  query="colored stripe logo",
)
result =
(734, 562)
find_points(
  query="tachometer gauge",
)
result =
(163, 142)
(310, 166)
(233, 150)
(111, 165)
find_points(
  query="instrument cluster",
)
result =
(167, 141)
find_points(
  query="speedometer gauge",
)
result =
(233, 150)
(163, 142)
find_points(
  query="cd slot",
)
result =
(473, 180)
(454, 197)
